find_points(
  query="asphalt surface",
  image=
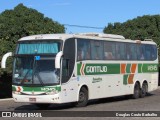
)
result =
(120, 104)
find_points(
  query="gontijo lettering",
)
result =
(95, 69)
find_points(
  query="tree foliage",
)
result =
(145, 27)
(23, 21)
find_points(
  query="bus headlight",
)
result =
(15, 92)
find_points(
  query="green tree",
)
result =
(139, 28)
(145, 27)
(20, 22)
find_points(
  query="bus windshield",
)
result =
(36, 70)
(34, 62)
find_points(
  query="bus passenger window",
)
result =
(140, 52)
(154, 52)
(131, 51)
(96, 50)
(83, 50)
(120, 51)
(109, 50)
(147, 52)
(80, 54)
(150, 52)
(128, 52)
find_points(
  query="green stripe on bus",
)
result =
(128, 68)
(150, 68)
(99, 69)
(139, 68)
(38, 89)
(125, 79)
(147, 68)
(79, 68)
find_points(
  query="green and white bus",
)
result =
(64, 68)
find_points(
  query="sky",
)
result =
(93, 13)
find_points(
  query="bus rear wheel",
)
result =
(83, 97)
(144, 90)
(137, 91)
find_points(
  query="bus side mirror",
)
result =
(4, 59)
(58, 60)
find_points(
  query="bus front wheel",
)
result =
(83, 97)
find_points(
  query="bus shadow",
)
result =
(70, 105)
(51, 107)
(116, 99)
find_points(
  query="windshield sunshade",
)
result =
(47, 47)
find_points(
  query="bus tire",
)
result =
(137, 91)
(144, 90)
(42, 106)
(83, 97)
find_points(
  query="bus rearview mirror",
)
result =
(4, 59)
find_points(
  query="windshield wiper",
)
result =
(22, 82)
(37, 74)
(39, 78)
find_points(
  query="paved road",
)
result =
(149, 103)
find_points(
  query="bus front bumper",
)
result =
(37, 98)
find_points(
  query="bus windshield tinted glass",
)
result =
(35, 70)
(23, 69)
(44, 72)
(38, 47)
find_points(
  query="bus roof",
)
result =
(47, 36)
(96, 36)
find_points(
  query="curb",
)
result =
(7, 99)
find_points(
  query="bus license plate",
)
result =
(32, 99)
